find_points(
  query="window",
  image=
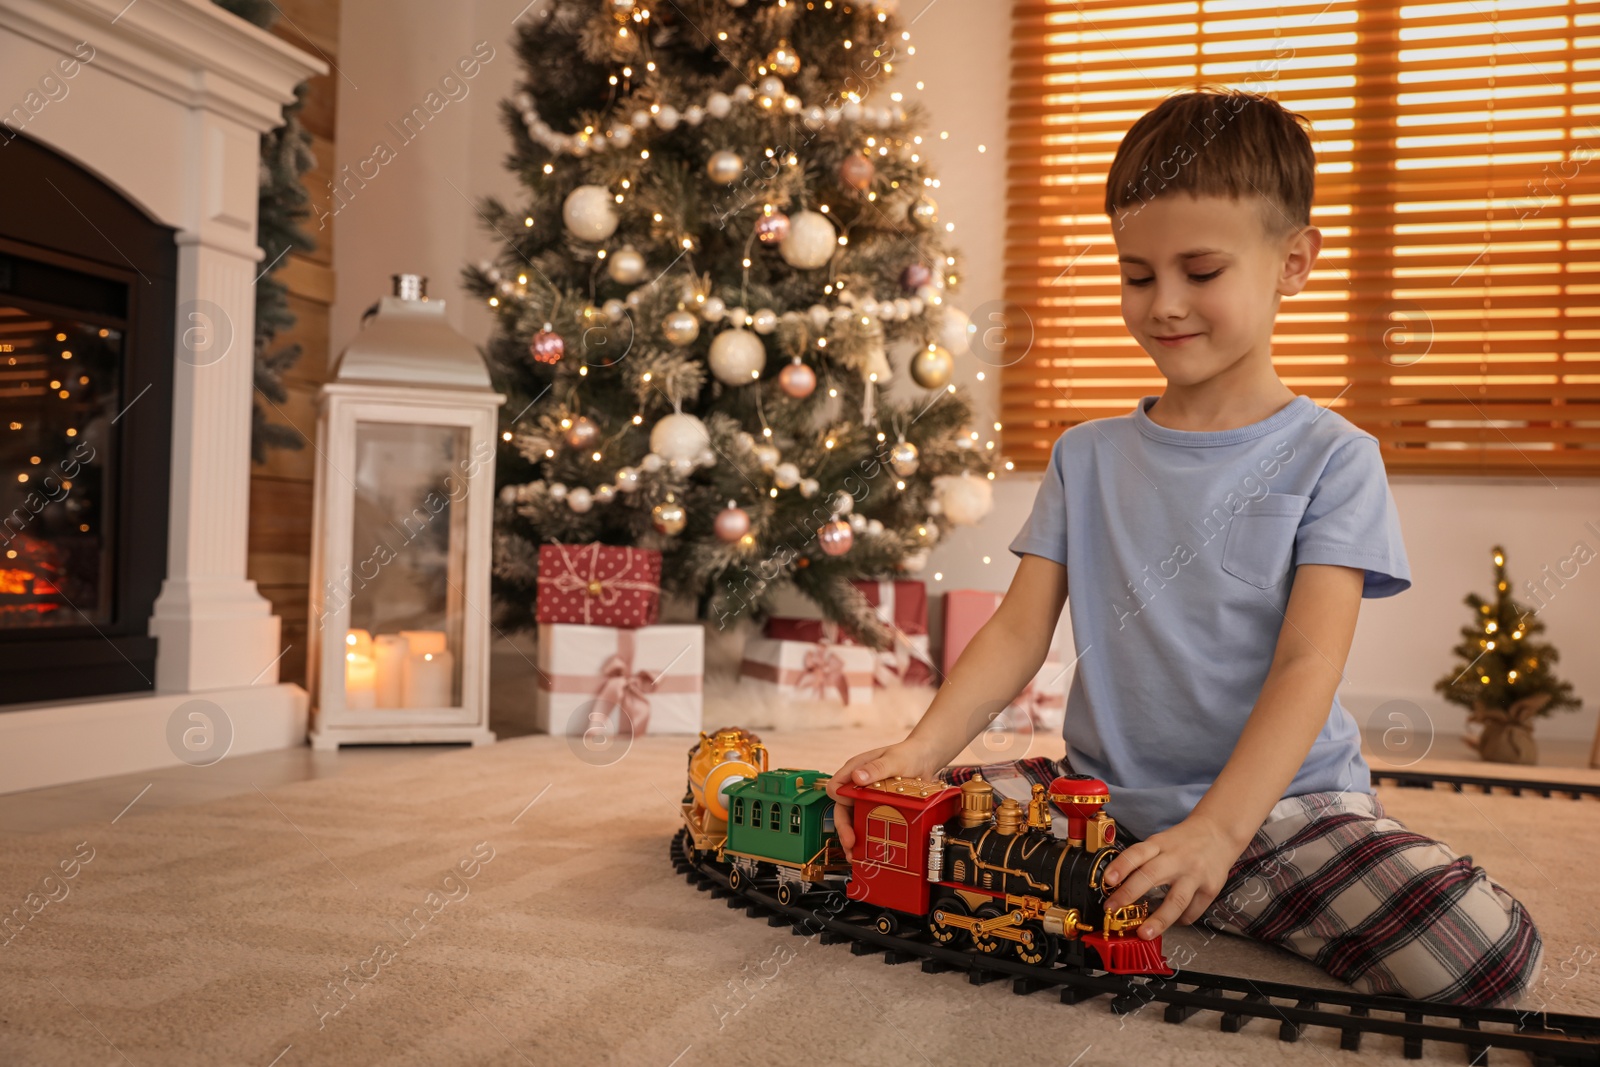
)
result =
(794, 819)
(886, 836)
(775, 824)
(738, 810)
(828, 826)
(1454, 310)
(755, 814)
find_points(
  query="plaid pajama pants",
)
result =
(1332, 879)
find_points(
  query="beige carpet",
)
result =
(209, 935)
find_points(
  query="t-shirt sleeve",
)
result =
(1045, 532)
(1352, 521)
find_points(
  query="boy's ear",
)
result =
(1300, 256)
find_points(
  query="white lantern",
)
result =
(402, 533)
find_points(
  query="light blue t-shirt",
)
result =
(1180, 548)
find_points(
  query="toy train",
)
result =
(946, 860)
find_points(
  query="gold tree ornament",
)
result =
(668, 517)
(931, 368)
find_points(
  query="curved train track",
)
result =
(1546, 1038)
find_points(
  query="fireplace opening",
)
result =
(87, 284)
(60, 383)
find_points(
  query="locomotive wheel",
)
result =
(787, 894)
(1044, 950)
(736, 879)
(988, 944)
(888, 923)
(949, 936)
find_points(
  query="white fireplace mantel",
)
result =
(167, 105)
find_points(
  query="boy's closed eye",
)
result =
(1196, 278)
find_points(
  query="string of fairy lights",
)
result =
(807, 239)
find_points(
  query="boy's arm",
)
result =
(1004, 656)
(1194, 857)
(999, 661)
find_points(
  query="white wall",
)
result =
(417, 216)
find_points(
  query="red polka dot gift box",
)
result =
(598, 585)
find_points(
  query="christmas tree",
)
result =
(1505, 675)
(729, 248)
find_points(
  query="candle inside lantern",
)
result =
(359, 642)
(360, 682)
(391, 650)
(428, 679)
(421, 641)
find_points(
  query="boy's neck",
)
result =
(1238, 397)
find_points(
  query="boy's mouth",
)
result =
(1174, 340)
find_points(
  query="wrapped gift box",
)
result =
(904, 606)
(811, 670)
(1042, 704)
(598, 585)
(624, 681)
(965, 612)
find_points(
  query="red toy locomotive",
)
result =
(973, 874)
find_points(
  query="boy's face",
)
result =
(1202, 278)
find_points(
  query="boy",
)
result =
(1219, 540)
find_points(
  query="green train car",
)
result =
(780, 825)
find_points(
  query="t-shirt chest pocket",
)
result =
(1260, 542)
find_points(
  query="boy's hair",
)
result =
(1218, 142)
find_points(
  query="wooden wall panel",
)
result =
(280, 488)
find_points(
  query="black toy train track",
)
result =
(1463, 783)
(1546, 1038)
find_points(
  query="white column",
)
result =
(214, 629)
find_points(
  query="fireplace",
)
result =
(86, 341)
(129, 205)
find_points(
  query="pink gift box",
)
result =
(622, 681)
(965, 612)
(805, 670)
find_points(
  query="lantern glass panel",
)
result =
(408, 555)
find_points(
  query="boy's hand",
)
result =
(1192, 859)
(909, 759)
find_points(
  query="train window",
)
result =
(794, 819)
(887, 836)
(738, 810)
(827, 821)
(755, 814)
(775, 822)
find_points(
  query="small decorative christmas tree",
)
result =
(1506, 676)
(728, 242)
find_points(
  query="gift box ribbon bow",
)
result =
(583, 576)
(625, 690)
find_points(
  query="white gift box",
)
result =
(1042, 704)
(803, 670)
(643, 680)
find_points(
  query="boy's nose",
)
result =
(1168, 305)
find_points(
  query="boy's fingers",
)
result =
(1177, 900)
(1130, 860)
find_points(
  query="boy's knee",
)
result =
(1435, 964)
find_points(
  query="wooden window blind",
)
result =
(1455, 310)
